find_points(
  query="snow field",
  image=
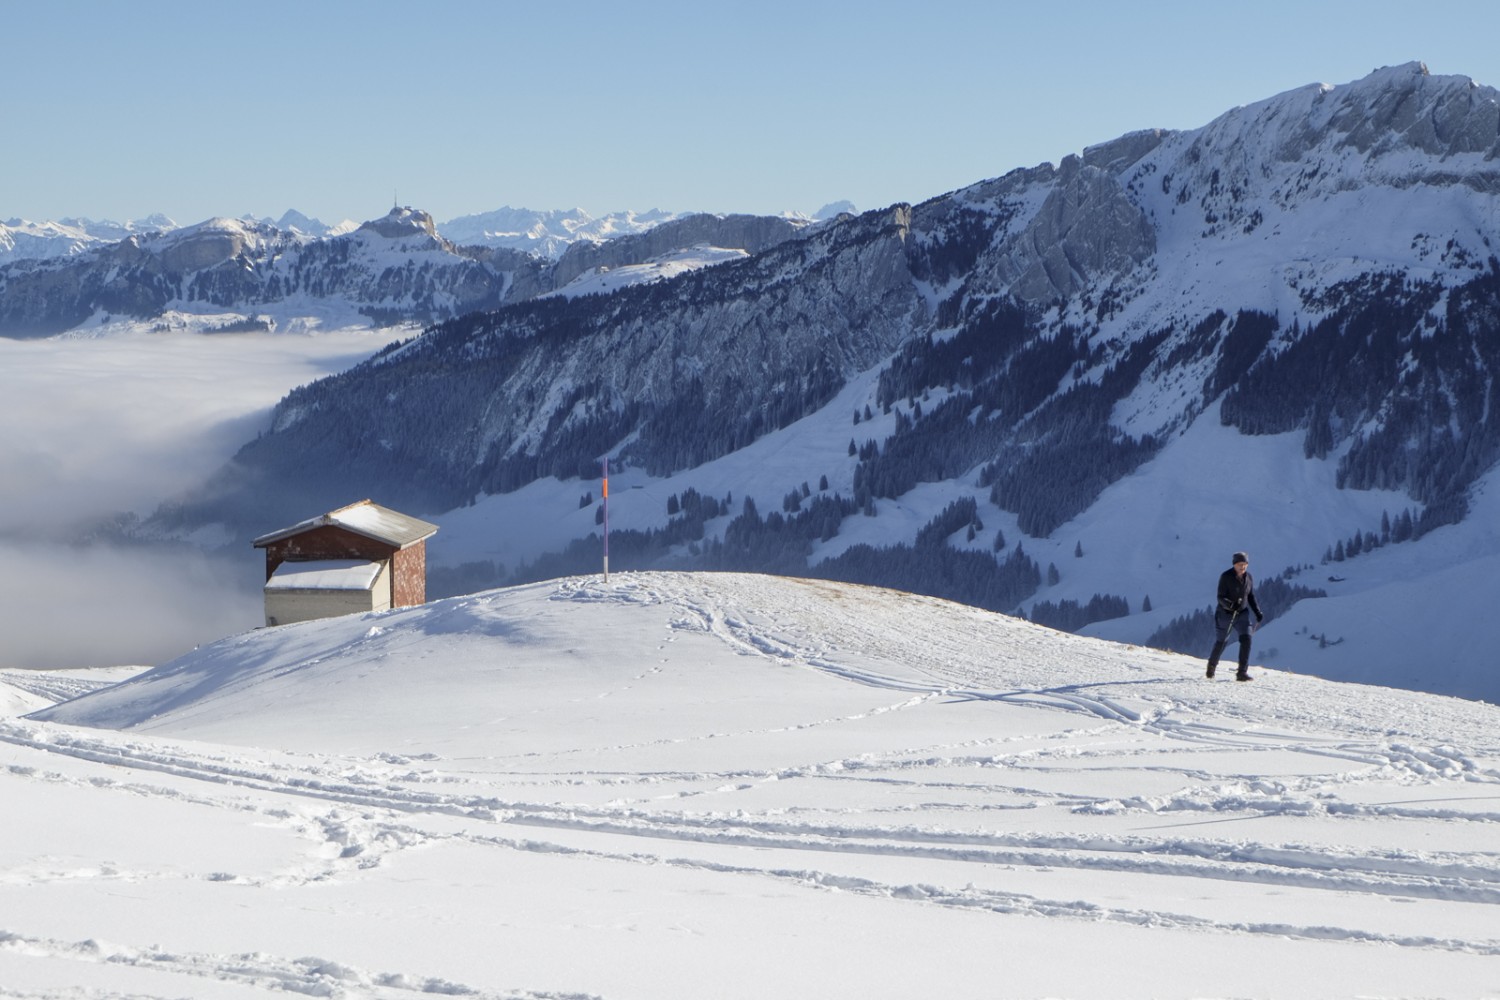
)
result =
(670, 783)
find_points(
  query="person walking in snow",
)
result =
(1236, 601)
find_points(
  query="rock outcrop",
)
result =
(1087, 231)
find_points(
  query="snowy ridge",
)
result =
(604, 280)
(22, 239)
(1272, 203)
(750, 761)
(547, 233)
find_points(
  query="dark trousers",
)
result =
(1224, 622)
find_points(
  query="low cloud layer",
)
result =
(97, 428)
(66, 606)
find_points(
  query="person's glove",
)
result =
(1259, 617)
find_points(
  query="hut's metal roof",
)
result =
(363, 518)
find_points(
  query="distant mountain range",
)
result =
(547, 233)
(297, 273)
(21, 239)
(1071, 390)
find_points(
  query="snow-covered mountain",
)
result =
(239, 274)
(21, 239)
(647, 786)
(298, 274)
(1071, 390)
(547, 233)
(293, 221)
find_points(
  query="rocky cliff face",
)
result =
(1086, 232)
(405, 223)
(1405, 108)
(199, 247)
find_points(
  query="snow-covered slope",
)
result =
(740, 786)
(604, 280)
(1411, 616)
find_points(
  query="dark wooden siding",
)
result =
(408, 566)
(326, 542)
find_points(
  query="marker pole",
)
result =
(606, 520)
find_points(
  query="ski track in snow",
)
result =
(51, 685)
(374, 816)
(268, 973)
(951, 811)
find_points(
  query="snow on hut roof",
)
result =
(363, 518)
(325, 574)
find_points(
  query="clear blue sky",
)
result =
(120, 109)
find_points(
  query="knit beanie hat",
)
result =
(1240, 557)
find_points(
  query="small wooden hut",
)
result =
(363, 557)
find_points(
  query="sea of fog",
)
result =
(107, 427)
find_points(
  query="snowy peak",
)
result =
(1306, 189)
(110, 231)
(1397, 127)
(207, 244)
(834, 209)
(402, 222)
(1405, 107)
(1393, 111)
(293, 221)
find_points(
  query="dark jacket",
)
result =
(1237, 592)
